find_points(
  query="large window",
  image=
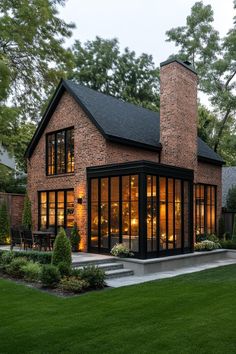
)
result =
(114, 212)
(167, 214)
(205, 209)
(56, 209)
(60, 152)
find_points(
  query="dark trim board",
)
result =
(138, 167)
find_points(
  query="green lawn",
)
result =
(189, 314)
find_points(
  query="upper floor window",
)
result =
(60, 152)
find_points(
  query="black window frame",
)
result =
(56, 191)
(55, 133)
(143, 169)
(205, 207)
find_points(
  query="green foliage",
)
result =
(14, 268)
(234, 229)
(214, 60)
(227, 236)
(61, 249)
(231, 199)
(35, 256)
(31, 271)
(228, 244)
(213, 238)
(73, 284)
(11, 182)
(6, 258)
(34, 58)
(93, 275)
(64, 269)
(100, 65)
(49, 275)
(221, 227)
(206, 245)
(27, 216)
(4, 223)
(75, 238)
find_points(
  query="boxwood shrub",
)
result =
(35, 256)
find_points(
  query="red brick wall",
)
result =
(178, 116)
(91, 149)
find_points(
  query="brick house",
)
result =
(124, 173)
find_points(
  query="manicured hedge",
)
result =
(35, 256)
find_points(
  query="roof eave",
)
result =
(210, 161)
(138, 144)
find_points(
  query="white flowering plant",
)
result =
(206, 245)
(120, 250)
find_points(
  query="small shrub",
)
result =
(206, 246)
(27, 216)
(212, 238)
(15, 267)
(120, 250)
(64, 269)
(234, 229)
(221, 227)
(227, 236)
(93, 275)
(228, 244)
(73, 284)
(35, 256)
(31, 271)
(6, 257)
(61, 249)
(231, 199)
(4, 223)
(49, 275)
(75, 238)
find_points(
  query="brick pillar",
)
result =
(178, 114)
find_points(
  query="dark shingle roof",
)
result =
(117, 120)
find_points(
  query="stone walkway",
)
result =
(132, 280)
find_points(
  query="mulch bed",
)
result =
(53, 291)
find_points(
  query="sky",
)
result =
(138, 24)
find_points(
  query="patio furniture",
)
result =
(27, 238)
(43, 240)
(16, 239)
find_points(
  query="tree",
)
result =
(231, 199)
(100, 65)
(61, 249)
(214, 60)
(4, 223)
(32, 57)
(11, 182)
(27, 216)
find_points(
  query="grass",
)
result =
(189, 314)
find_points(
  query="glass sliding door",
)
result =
(205, 209)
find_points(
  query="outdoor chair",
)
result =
(27, 238)
(16, 239)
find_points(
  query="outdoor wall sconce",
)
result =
(80, 200)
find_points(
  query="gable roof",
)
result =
(117, 121)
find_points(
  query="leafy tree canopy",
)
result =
(215, 61)
(100, 65)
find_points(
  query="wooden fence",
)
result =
(15, 204)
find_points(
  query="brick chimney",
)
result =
(178, 114)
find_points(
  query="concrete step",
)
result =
(105, 266)
(118, 273)
(95, 262)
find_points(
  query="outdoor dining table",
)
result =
(43, 239)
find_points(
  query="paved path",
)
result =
(134, 279)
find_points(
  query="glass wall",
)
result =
(56, 209)
(114, 212)
(167, 214)
(117, 203)
(205, 209)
